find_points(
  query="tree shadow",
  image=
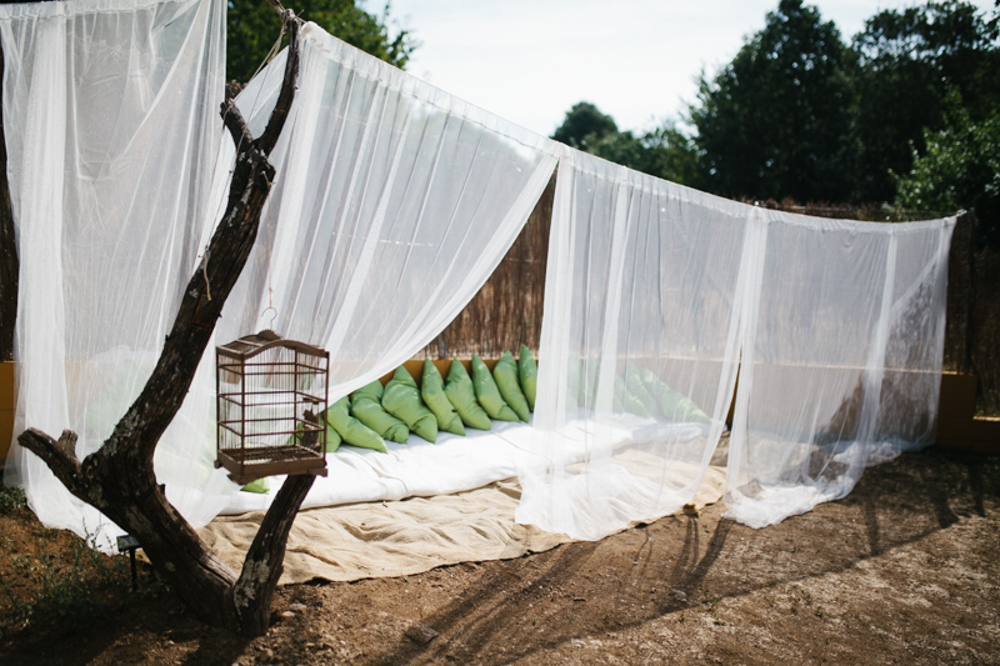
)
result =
(539, 591)
(685, 561)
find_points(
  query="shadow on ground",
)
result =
(580, 590)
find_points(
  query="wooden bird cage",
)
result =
(270, 395)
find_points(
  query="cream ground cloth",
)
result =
(403, 537)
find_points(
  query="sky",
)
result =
(529, 61)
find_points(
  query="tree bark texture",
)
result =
(118, 478)
(9, 265)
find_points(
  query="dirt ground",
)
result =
(905, 570)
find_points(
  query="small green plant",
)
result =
(66, 589)
(11, 500)
(68, 585)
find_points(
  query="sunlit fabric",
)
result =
(638, 347)
(391, 205)
(842, 352)
(656, 296)
(111, 117)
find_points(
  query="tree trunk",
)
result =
(118, 478)
(9, 265)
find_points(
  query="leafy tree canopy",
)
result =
(775, 122)
(959, 168)
(910, 60)
(584, 124)
(665, 152)
(909, 106)
(253, 26)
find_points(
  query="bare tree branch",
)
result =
(59, 455)
(118, 479)
(284, 103)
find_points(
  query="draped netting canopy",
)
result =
(393, 202)
(657, 295)
(112, 127)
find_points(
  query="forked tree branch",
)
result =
(118, 478)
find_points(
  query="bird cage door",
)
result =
(272, 397)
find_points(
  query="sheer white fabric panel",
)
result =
(910, 393)
(393, 202)
(112, 127)
(392, 205)
(841, 359)
(637, 357)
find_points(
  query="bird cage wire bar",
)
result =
(270, 396)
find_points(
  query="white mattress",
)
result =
(453, 464)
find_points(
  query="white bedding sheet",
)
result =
(453, 464)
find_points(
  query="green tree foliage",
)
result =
(910, 60)
(958, 168)
(664, 152)
(253, 26)
(799, 114)
(584, 125)
(776, 122)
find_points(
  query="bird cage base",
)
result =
(248, 465)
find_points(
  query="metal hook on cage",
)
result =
(274, 315)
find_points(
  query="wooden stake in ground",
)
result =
(118, 479)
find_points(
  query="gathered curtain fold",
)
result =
(657, 296)
(638, 348)
(112, 128)
(393, 204)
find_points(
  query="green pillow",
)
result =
(505, 375)
(527, 373)
(259, 486)
(432, 391)
(633, 380)
(351, 430)
(462, 395)
(402, 400)
(373, 389)
(367, 408)
(333, 438)
(624, 401)
(488, 394)
(673, 404)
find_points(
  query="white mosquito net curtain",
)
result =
(841, 358)
(112, 128)
(393, 202)
(637, 350)
(656, 293)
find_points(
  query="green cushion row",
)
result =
(373, 415)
